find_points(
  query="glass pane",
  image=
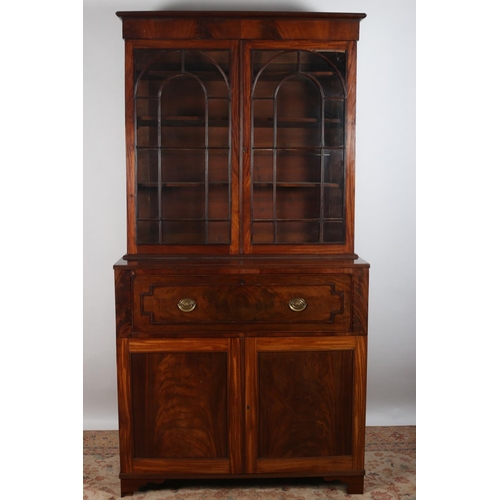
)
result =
(262, 202)
(183, 165)
(333, 232)
(219, 232)
(261, 58)
(183, 202)
(298, 166)
(183, 113)
(218, 123)
(298, 113)
(182, 232)
(298, 232)
(337, 60)
(147, 136)
(152, 68)
(263, 123)
(262, 166)
(314, 63)
(263, 232)
(333, 203)
(330, 68)
(218, 202)
(334, 123)
(147, 167)
(212, 68)
(334, 165)
(218, 165)
(275, 65)
(148, 232)
(298, 203)
(146, 110)
(147, 202)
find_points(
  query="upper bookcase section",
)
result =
(214, 25)
(240, 133)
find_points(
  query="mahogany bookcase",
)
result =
(241, 307)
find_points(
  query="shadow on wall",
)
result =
(231, 5)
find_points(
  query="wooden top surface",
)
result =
(243, 264)
(159, 14)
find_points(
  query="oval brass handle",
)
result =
(297, 304)
(186, 305)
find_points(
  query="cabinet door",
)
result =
(299, 116)
(181, 108)
(305, 404)
(180, 406)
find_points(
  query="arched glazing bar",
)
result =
(299, 69)
(165, 68)
(158, 56)
(318, 146)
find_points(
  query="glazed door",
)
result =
(299, 139)
(183, 410)
(182, 170)
(304, 401)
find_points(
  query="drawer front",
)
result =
(165, 304)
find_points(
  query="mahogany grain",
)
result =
(180, 404)
(303, 402)
(240, 163)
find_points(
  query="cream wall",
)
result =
(385, 193)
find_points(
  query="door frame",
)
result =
(304, 465)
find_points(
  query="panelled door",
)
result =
(183, 405)
(184, 411)
(304, 401)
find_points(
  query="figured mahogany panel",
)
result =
(304, 400)
(360, 301)
(179, 402)
(305, 404)
(328, 302)
(123, 303)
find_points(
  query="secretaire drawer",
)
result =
(244, 303)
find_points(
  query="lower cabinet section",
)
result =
(184, 406)
(241, 407)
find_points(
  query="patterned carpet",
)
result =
(390, 466)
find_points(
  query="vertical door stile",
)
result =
(359, 403)
(350, 144)
(246, 141)
(251, 404)
(124, 405)
(130, 147)
(235, 404)
(235, 149)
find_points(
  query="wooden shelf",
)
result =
(316, 219)
(178, 219)
(294, 122)
(180, 184)
(313, 150)
(184, 121)
(297, 184)
(169, 69)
